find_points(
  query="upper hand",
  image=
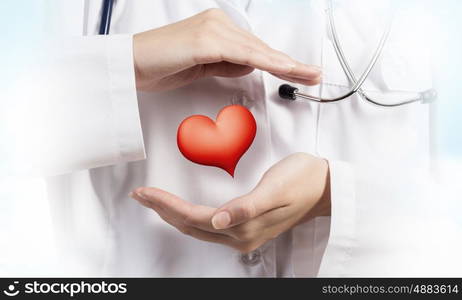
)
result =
(294, 190)
(208, 44)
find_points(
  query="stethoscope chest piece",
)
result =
(288, 92)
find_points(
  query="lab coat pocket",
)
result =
(356, 130)
(405, 71)
(397, 77)
(405, 63)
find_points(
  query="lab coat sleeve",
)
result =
(389, 221)
(82, 109)
(342, 233)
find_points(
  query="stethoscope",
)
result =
(289, 92)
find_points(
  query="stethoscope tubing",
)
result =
(106, 16)
(289, 92)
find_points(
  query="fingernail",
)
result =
(221, 220)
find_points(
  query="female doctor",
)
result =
(324, 190)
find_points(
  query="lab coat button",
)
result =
(252, 258)
(242, 98)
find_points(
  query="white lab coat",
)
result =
(103, 139)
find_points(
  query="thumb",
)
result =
(241, 209)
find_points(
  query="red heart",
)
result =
(221, 143)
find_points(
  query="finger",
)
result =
(304, 71)
(174, 207)
(142, 201)
(198, 233)
(298, 80)
(201, 217)
(267, 59)
(245, 49)
(297, 69)
(209, 236)
(244, 209)
(247, 39)
(225, 69)
(162, 200)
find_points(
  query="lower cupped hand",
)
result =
(292, 191)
